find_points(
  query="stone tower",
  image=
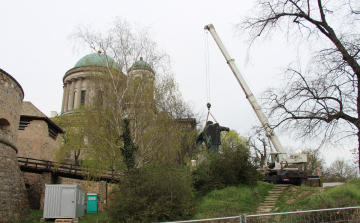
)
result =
(13, 196)
(77, 80)
(141, 69)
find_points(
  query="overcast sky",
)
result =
(35, 51)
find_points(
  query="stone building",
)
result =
(38, 136)
(77, 89)
(26, 132)
(13, 198)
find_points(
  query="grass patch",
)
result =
(95, 218)
(309, 198)
(231, 201)
(36, 215)
(345, 195)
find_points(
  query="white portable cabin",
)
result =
(63, 201)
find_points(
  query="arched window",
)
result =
(4, 125)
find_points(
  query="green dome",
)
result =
(141, 64)
(97, 59)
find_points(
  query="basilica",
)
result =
(77, 86)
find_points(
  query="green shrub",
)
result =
(153, 193)
(229, 168)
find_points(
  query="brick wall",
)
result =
(13, 198)
(100, 188)
(33, 184)
(34, 141)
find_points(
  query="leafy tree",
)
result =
(232, 141)
(73, 142)
(150, 101)
(129, 149)
(153, 193)
(233, 165)
(323, 100)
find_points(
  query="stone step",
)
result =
(272, 196)
(271, 199)
(282, 185)
(265, 210)
(267, 205)
(276, 192)
(269, 202)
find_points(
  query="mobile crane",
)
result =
(277, 165)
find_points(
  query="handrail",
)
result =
(63, 168)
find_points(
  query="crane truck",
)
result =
(277, 170)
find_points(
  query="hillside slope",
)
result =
(309, 198)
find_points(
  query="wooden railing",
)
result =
(63, 169)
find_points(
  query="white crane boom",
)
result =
(255, 105)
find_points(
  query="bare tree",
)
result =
(260, 144)
(341, 171)
(323, 100)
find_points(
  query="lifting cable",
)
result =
(207, 70)
(207, 73)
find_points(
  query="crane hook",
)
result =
(208, 105)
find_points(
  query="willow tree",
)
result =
(324, 99)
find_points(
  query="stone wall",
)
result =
(100, 188)
(13, 198)
(33, 184)
(34, 141)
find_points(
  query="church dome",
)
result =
(141, 64)
(97, 59)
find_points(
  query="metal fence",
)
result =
(338, 215)
(348, 214)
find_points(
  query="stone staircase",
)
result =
(270, 200)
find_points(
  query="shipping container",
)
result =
(63, 201)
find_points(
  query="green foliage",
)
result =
(129, 149)
(34, 217)
(73, 142)
(231, 201)
(232, 141)
(98, 217)
(152, 193)
(231, 167)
